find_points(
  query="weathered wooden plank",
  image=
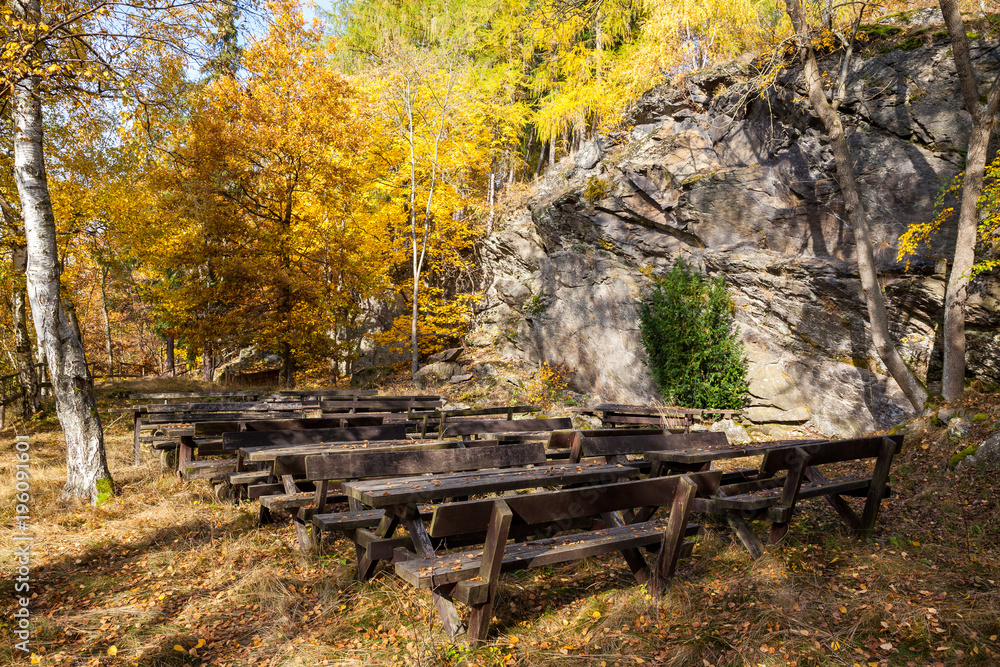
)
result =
(287, 501)
(347, 393)
(548, 507)
(209, 469)
(233, 441)
(293, 424)
(476, 427)
(669, 422)
(381, 493)
(256, 406)
(192, 394)
(353, 465)
(388, 404)
(617, 445)
(193, 417)
(348, 520)
(474, 412)
(261, 454)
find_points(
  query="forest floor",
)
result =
(163, 574)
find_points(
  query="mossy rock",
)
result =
(958, 457)
(979, 418)
(105, 490)
(877, 31)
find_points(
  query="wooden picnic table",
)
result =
(399, 498)
(761, 493)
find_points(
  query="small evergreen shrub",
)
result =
(687, 330)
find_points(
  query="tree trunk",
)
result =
(70, 308)
(26, 375)
(168, 342)
(956, 293)
(912, 388)
(287, 375)
(109, 344)
(415, 348)
(87, 474)
(207, 366)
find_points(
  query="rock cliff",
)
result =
(742, 184)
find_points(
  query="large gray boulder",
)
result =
(746, 188)
(435, 374)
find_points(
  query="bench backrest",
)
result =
(623, 445)
(833, 451)
(293, 424)
(256, 406)
(359, 465)
(550, 507)
(478, 426)
(234, 441)
(195, 417)
(382, 404)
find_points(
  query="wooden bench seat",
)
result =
(212, 469)
(348, 520)
(488, 426)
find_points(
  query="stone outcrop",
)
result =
(744, 187)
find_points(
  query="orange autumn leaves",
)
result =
(282, 209)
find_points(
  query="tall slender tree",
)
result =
(87, 471)
(983, 116)
(826, 109)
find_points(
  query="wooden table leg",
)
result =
(136, 436)
(185, 453)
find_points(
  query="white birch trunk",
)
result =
(87, 473)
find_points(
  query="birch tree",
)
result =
(826, 109)
(957, 291)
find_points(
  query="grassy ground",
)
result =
(164, 575)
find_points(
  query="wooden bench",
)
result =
(490, 426)
(616, 448)
(773, 497)
(326, 470)
(233, 441)
(438, 418)
(381, 404)
(471, 576)
(675, 419)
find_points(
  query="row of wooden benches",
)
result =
(545, 527)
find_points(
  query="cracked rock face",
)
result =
(745, 188)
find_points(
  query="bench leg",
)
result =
(366, 565)
(876, 490)
(493, 550)
(299, 517)
(136, 435)
(185, 454)
(673, 536)
(746, 536)
(789, 493)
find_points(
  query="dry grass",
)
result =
(162, 566)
